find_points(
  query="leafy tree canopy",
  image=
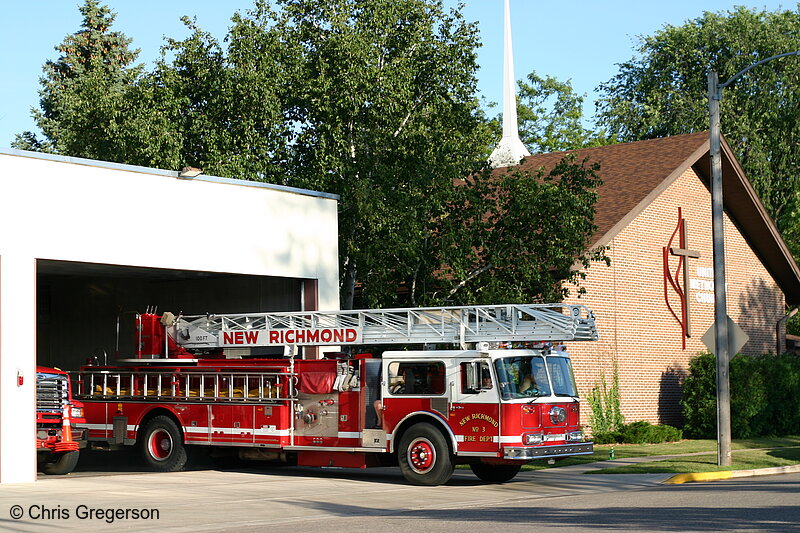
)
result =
(386, 117)
(498, 237)
(664, 91)
(373, 100)
(551, 117)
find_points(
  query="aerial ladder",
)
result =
(458, 325)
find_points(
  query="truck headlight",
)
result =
(530, 439)
(76, 412)
(558, 414)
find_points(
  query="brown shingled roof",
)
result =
(635, 173)
(631, 172)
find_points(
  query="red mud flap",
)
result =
(545, 452)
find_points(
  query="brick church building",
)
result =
(655, 199)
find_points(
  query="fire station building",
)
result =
(85, 242)
(654, 303)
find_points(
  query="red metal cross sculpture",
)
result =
(683, 253)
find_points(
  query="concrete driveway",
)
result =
(278, 497)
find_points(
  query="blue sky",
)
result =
(577, 40)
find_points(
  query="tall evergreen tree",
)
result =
(82, 91)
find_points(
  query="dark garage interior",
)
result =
(78, 304)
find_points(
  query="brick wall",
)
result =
(636, 328)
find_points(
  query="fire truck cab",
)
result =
(492, 409)
(493, 405)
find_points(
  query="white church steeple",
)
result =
(510, 148)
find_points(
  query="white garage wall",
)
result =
(79, 210)
(17, 356)
(69, 209)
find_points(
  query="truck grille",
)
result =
(51, 391)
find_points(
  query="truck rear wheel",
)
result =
(58, 464)
(494, 473)
(424, 456)
(161, 445)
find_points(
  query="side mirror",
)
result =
(473, 379)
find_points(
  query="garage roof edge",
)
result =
(161, 172)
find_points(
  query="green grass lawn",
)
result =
(767, 452)
(742, 460)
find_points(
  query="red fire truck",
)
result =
(486, 401)
(57, 438)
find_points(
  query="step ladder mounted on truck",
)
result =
(496, 392)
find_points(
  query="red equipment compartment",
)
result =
(149, 335)
(396, 408)
(350, 423)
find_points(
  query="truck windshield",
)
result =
(562, 377)
(526, 377)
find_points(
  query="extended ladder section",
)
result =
(431, 325)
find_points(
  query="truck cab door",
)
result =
(372, 431)
(475, 409)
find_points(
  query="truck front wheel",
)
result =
(58, 464)
(161, 445)
(424, 456)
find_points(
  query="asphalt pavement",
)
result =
(282, 498)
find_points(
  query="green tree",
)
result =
(226, 108)
(373, 100)
(83, 90)
(663, 91)
(516, 236)
(386, 117)
(551, 116)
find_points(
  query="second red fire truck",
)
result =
(58, 440)
(485, 402)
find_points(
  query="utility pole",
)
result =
(720, 295)
(718, 239)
